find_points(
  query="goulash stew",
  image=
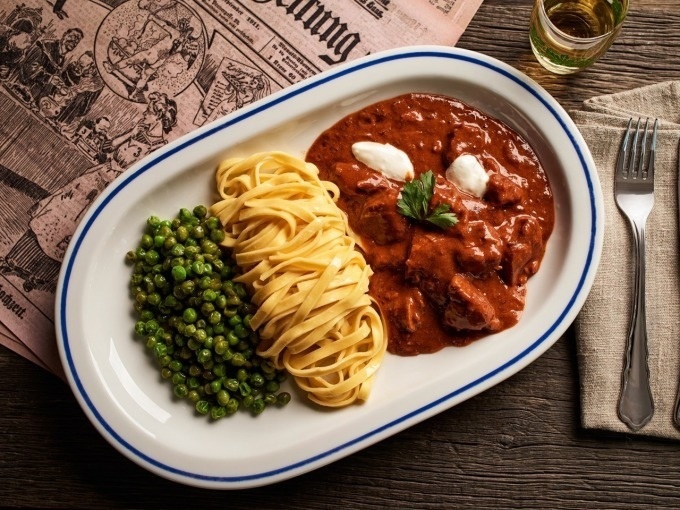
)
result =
(459, 270)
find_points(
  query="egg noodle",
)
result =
(315, 317)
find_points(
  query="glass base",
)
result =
(551, 66)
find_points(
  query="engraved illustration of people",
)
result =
(164, 47)
(92, 136)
(43, 62)
(73, 91)
(14, 41)
(157, 120)
(36, 257)
(18, 32)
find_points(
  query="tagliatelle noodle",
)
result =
(315, 317)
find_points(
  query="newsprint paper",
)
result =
(89, 87)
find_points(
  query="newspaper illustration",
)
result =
(87, 88)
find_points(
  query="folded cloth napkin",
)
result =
(602, 325)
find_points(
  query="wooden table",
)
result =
(519, 444)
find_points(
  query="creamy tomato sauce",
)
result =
(439, 287)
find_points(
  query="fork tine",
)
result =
(632, 172)
(641, 171)
(652, 151)
(623, 152)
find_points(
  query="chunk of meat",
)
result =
(380, 221)
(467, 138)
(524, 247)
(502, 191)
(480, 249)
(373, 183)
(461, 204)
(431, 264)
(468, 308)
(347, 175)
(405, 308)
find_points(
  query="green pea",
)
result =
(182, 234)
(215, 317)
(154, 299)
(207, 309)
(197, 232)
(185, 215)
(189, 315)
(216, 385)
(203, 407)
(223, 397)
(170, 242)
(140, 328)
(257, 380)
(188, 287)
(231, 385)
(217, 236)
(213, 223)
(240, 331)
(220, 370)
(238, 360)
(232, 406)
(209, 246)
(179, 274)
(272, 386)
(247, 401)
(177, 250)
(209, 295)
(204, 356)
(178, 377)
(160, 350)
(201, 336)
(153, 221)
(257, 406)
(181, 390)
(220, 301)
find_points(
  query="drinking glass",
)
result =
(570, 35)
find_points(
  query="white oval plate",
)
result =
(117, 384)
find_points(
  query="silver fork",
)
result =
(634, 192)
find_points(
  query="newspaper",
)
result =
(87, 88)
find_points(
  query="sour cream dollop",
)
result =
(393, 163)
(468, 174)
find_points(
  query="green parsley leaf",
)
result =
(442, 217)
(415, 202)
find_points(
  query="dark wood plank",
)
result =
(517, 445)
(646, 52)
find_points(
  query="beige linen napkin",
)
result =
(601, 327)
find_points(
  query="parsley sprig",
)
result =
(415, 202)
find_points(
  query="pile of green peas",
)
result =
(196, 319)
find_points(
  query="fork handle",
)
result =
(636, 406)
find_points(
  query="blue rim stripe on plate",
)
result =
(266, 105)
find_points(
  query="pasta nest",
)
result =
(315, 317)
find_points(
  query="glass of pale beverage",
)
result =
(570, 35)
